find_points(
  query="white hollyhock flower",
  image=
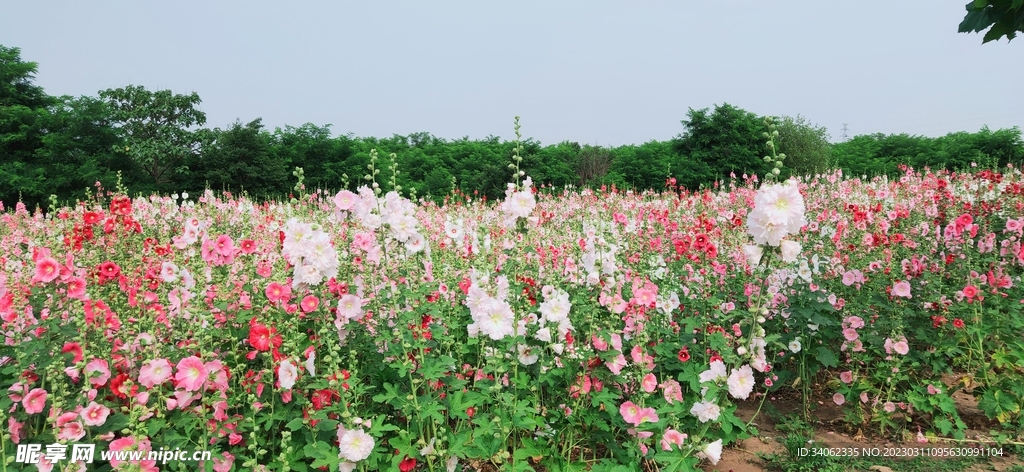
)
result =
(287, 374)
(741, 382)
(356, 445)
(790, 250)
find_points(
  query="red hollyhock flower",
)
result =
(75, 349)
(684, 354)
(117, 385)
(958, 323)
(262, 338)
(407, 464)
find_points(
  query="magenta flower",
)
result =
(47, 269)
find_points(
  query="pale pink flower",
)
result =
(672, 391)
(350, 307)
(706, 411)
(649, 383)
(616, 364)
(839, 398)
(889, 407)
(846, 377)
(671, 437)
(712, 452)
(191, 374)
(901, 289)
(97, 372)
(95, 414)
(154, 373)
(741, 382)
(223, 463)
(901, 347)
(850, 334)
(287, 374)
(630, 413)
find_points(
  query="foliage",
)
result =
(240, 158)
(156, 128)
(806, 146)
(723, 143)
(1000, 17)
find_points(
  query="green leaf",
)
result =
(295, 424)
(826, 357)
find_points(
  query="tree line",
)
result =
(156, 141)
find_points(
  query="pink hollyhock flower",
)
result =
(672, 391)
(219, 411)
(599, 343)
(617, 364)
(901, 347)
(647, 415)
(901, 289)
(71, 431)
(846, 377)
(889, 407)
(95, 414)
(278, 293)
(671, 437)
(223, 463)
(649, 383)
(14, 427)
(98, 372)
(191, 374)
(74, 349)
(350, 307)
(932, 390)
(850, 334)
(309, 303)
(630, 413)
(248, 246)
(47, 269)
(225, 245)
(154, 373)
(839, 398)
(34, 401)
(345, 200)
(76, 288)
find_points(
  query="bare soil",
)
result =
(830, 431)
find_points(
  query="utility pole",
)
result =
(844, 132)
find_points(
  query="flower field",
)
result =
(575, 330)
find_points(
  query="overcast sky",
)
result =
(595, 72)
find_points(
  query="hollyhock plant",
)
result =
(239, 322)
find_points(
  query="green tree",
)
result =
(1000, 17)
(239, 158)
(805, 145)
(76, 149)
(717, 144)
(22, 112)
(157, 129)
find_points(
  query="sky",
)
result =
(594, 72)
